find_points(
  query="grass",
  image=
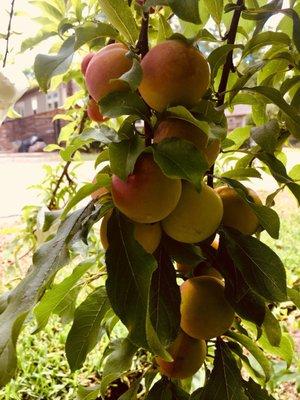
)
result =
(43, 369)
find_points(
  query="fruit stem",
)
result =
(228, 66)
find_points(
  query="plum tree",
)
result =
(205, 312)
(148, 235)
(237, 213)
(147, 195)
(108, 64)
(188, 356)
(93, 111)
(196, 216)
(184, 78)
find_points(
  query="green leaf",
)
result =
(52, 147)
(294, 295)
(180, 159)
(181, 112)
(120, 16)
(278, 171)
(267, 217)
(49, 10)
(183, 252)
(130, 271)
(89, 31)
(238, 136)
(102, 157)
(50, 257)
(256, 392)
(260, 266)
(160, 391)
(117, 104)
(165, 299)
(244, 78)
(48, 66)
(42, 35)
(187, 10)
(131, 394)
(118, 362)
(256, 352)
(285, 350)
(265, 39)
(164, 29)
(217, 57)
(243, 299)
(88, 393)
(102, 134)
(266, 136)
(225, 382)
(274, 96)
(56, 294)
(66, 308)
(241, 173)
(272, 329)
(295, 173)
(123, 156)
(289, 83)
(84, 333)
(215, 8)
(132, 77)
(102, 180)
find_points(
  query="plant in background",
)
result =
(184, 294)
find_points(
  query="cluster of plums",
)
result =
(174, 73)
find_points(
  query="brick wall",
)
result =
(40, 125)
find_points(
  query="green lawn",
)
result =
(43, 369)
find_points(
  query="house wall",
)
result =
(19, 129)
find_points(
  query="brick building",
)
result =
(37, 110)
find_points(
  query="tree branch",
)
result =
(143, 43)
(53, 203)
(228, 66)
(143, 48)
(12, 6)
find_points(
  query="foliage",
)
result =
(252, 63)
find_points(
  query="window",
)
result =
(52, 100)
(34, 104)
(20, 109)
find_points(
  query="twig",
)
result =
(229, 61)
(143, 48)
(142, 44)
(228, 66)
(8, 31)
(52, 202)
